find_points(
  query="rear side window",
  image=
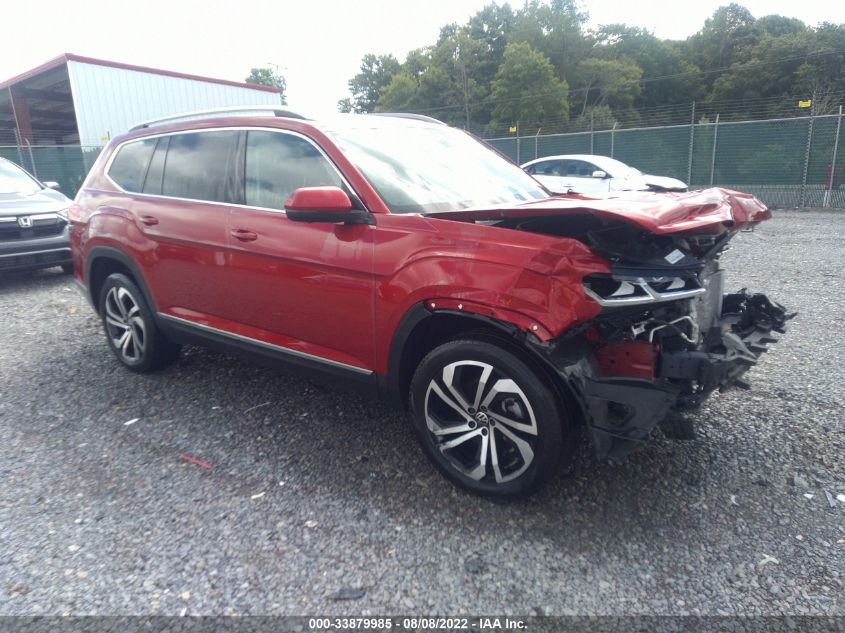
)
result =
(129, 167)
(277, 164)
(199, 166)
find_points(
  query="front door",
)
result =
(303, 286)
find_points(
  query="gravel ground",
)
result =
(319, 502)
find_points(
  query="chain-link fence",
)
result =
(794, 162)
(788, 162)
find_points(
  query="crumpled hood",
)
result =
(44, 201)
(708, 210)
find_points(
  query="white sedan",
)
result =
(586, 173)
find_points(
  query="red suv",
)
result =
(412, 260)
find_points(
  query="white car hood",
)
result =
(647, 181)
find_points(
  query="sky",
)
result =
(317, 45)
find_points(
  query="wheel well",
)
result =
(441, 328)
(100, 269)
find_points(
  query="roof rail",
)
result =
(410, 115)
(232, 110)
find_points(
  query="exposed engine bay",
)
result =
(667, 336)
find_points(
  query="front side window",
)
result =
(129, 167)
(434, 168)
(199, 166)
(547, 168)
(277, 164)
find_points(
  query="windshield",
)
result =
(15, 180)
(428, 169)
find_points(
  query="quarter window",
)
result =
(130, 165)
(277, 164)
(199, 166)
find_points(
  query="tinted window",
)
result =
(130, 165)
(199, 166)
(546, 168)
(580, 168)
(152, 184)
(277, 164)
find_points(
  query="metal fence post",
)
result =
(807, 154)
(536, 141)
(592, 132)
(518, 159)
(691, 141)
(713, 156)
(613, 137)
(31, 158)
(827, 193)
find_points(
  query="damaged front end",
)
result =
(667, 336)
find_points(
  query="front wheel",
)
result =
(488, 421)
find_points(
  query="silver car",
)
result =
(589, 173)
(33, 222)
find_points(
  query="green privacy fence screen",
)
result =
(65, 164)
(784, 162)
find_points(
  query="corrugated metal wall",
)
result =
(109, 100)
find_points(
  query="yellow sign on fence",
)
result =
(805, 104)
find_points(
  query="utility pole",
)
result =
(828, 193)
(807, 151)
(691, 142)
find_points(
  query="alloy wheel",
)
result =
(481, 421)
(124, 324)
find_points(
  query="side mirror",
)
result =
(599, 174)
(324, 204)
(51, 184)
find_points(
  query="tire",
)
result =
(471, 398)
(131, 332)
(67, 269)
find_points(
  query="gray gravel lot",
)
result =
(319, 495)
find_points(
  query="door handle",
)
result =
(149, 220)
(244, 235)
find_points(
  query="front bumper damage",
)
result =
(621, 411)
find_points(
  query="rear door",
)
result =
(303, 286)
(183, 209)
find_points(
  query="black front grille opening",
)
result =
(35, 232)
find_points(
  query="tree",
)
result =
(725, 37)
(376, 74)
(556, 29)
(400, 95)
(526, 89)
(680, 81)
(266, 77)
(611, 82)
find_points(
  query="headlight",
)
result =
(610, 292)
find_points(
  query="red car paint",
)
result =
(339, 292)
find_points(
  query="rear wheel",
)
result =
(488, 421)
(131, 332)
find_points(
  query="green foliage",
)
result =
(536, 63)
(376, 73)
(526, 90)
(266, 77)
